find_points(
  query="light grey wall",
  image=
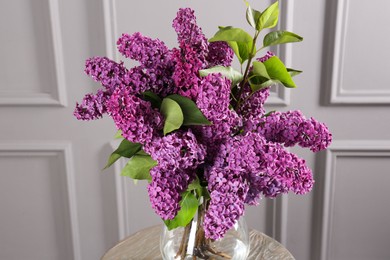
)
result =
(55, 201)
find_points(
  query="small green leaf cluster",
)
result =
(258, 74)
(139, 163)
(178, 110)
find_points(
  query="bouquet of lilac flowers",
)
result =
(196, 129)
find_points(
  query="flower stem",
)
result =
(245, 77)
(202, 247)
(184, 243)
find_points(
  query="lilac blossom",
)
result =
(138, 80)
(157, 64)
(219, 54)
(179, 150)
(136, 118)
(246, 168)
(186, 72)
(178, 155)
(293, 128)
(268, 55)
(156, 80)
(213, 100)
(109, 73)
(92, 107)
(228, 190)
(164, 191)
(147, 51)
(228, 186)
(189, 33)
(191, 56)
(253, 105)
(271, 169)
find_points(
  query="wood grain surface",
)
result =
(145, 245)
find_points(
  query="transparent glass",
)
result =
(190, 243)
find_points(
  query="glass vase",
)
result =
(190, 242)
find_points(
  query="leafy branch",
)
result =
(258, 74)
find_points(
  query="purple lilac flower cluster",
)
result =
(213, 100)
(246, 168)
(268, 55)
(111, 75)
(92, 107)
(165, 189)
(136, 118)
(291, 128)
(178, 155)
(143, 49)
(220, 54)
(241, 155)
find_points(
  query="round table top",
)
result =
(145, 244)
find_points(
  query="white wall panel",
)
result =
(359, 67)
(355, 213)
(31, 68)
(37, 201)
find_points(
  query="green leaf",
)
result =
(142, 152)
(138, 167)
(239, 40)
(269, 113)
(294, 72)
(241, 49)
(228, 72)
(125, 149)
(118, 134)
(259, 69)
(152, 98)
(280, 37)
(259, 77)
(269, 18)
(173, 115)
(258, 82)
(191, 113)
(195, 186)
(277, 71)
(205, 193)
(188, 207)
(252, 16)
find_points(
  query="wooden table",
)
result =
(145, 245)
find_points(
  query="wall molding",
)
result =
(124, 223)
(63, 149)
(58, 52)
(279, 218)
(58, 97)
(122, 200)
(338, 95)
(110, 27)
(339, 149)
(281, 97)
